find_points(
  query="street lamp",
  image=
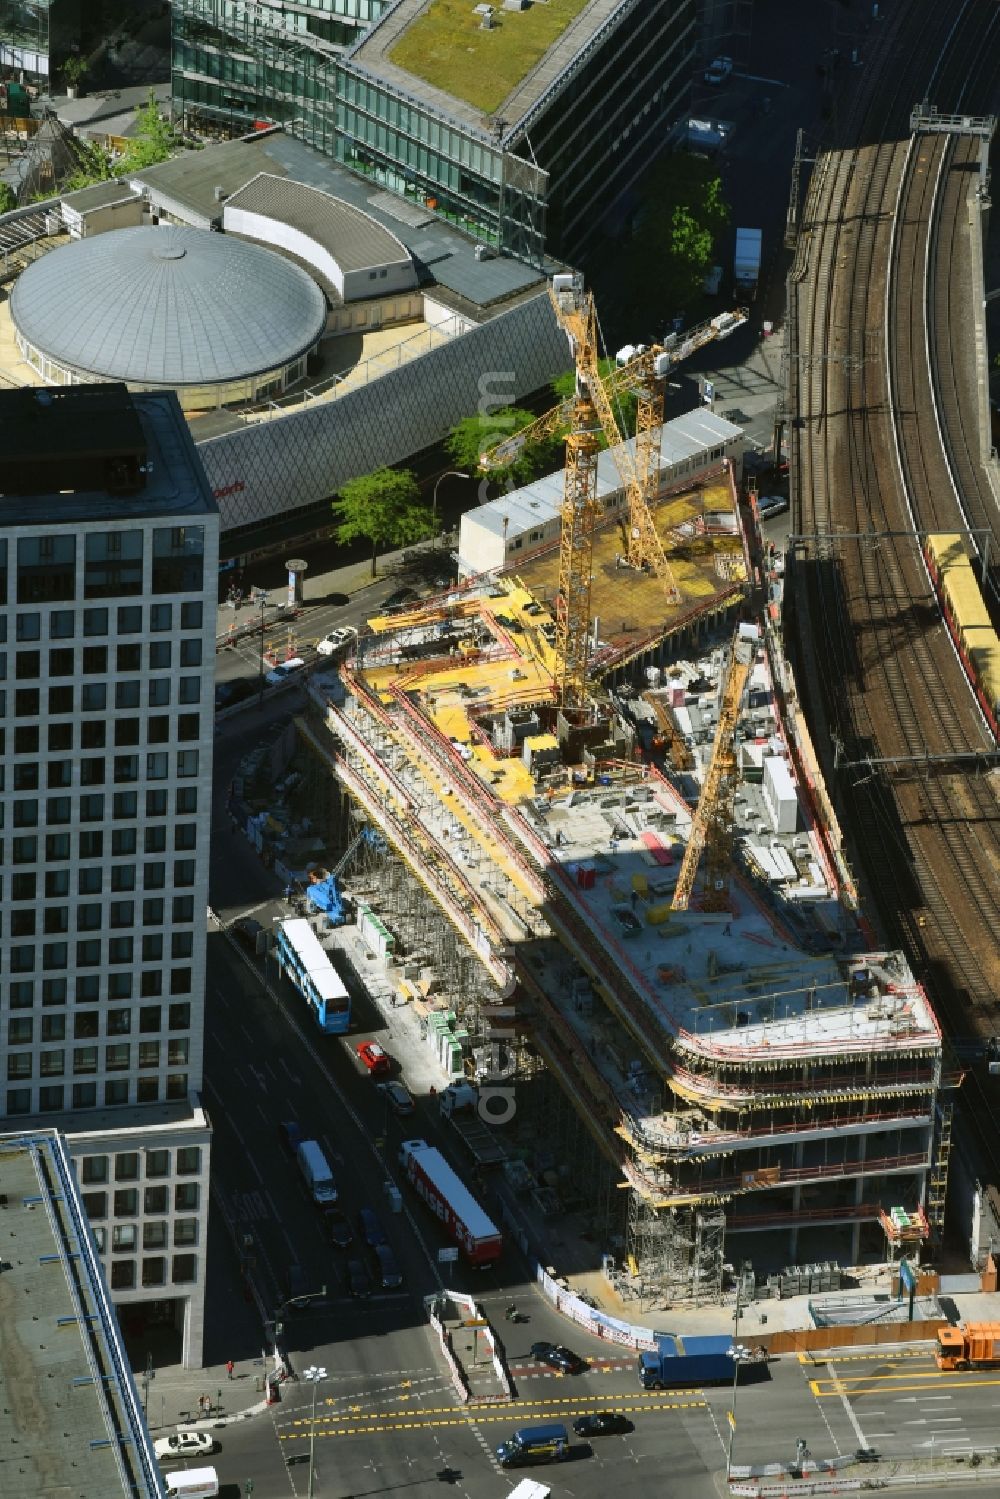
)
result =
(314, 1374)
(451, 473)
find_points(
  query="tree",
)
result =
(466, 443)
(383, 507)
(8, 198)
(154, 139)
(94, 165)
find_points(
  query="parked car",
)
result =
(398, 597)
(558, 1357)
(359, 1282)
(771, 504)
(373, 1058)
(284, 670)
(718, 70)
(234, 691)
(336, 640)
(602, 1423)
(290, 1134)
(295, 1281)
(389, 1272)
(338, 1230)
(184, 1444)
(371, 1229)
(397, 1097)
(248, 932)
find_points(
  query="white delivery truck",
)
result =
(318, 1176)
(192, 1483)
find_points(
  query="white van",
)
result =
(529, 1489)
(193, 1483)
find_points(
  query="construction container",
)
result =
(656, 915)
(640, 885)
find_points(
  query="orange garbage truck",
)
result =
(974, 1346)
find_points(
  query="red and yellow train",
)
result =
(953, 572)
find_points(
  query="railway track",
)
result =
(883, 442)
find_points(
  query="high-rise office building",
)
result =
(108, 587)
(521, 132)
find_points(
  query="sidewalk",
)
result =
(174, 1394)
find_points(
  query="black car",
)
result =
(388, 1270)
(602, 1423)
(248, 932)
(359, 1282)
(371, 1229)
(400, 596)
(557, 1357)
(338, 1230)
(290, 1134)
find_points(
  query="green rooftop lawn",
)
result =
(447, 48)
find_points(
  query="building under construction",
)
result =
(648, 903)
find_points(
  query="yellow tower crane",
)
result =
(711, 827)
(639, 471)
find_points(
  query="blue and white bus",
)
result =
(301, 957)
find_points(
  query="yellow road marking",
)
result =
(877, 1386)
(471, 1418)
(652, 1400)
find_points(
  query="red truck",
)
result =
(427, 1171)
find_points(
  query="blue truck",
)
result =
(691, 1361)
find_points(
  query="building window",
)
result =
(129, 658)
(185, 1268)
(52, 1063)
(191, 613)
(119, 986)
(189, 1162)
(19, 1032)
(56, 883)
(159, 694)
(28, 627)
(147, 1090)
(22, 994)
(187, 765)
(46, 569)
(116, 1093)
(149, 1054)
(157, 767)
(154, 1235)
(157, 1199)
(88, 954)
(159, 653)
(119, 1022)
(157, 1163)
(94, 698)
(95, 660)
(130, 619)
(180, 1017)
(88, 990)
(126, 769)
(126, 1202)
(85, 1059)
(122, 1275)
(123, 1236)
(185, 1231)
(50, 1099)
(18, 1065)
(93, 735)
(127, 694)
(178, 561)
(123, 877)
(127, 1166)
(116, 1058)
(18, 1100)
(120, 950)
(95, 1204)
(53, 1027)
(85, 1096)
(53, 991)
(154, 1271)
(112, 564)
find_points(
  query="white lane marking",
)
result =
(848, 1408)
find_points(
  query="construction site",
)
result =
(607, 873)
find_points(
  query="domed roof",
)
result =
(168, 306)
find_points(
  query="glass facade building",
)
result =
(236, 65)
(122, 42)
(535, 183)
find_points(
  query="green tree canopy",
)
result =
(475, 435)
(383, 507)
(8, 198)
(154, 139)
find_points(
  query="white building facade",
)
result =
(495, 535)
(108, 623)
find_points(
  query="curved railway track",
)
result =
(885, 441)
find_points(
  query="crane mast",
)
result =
(711, 826)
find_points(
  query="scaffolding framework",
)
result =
(676, 1254)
